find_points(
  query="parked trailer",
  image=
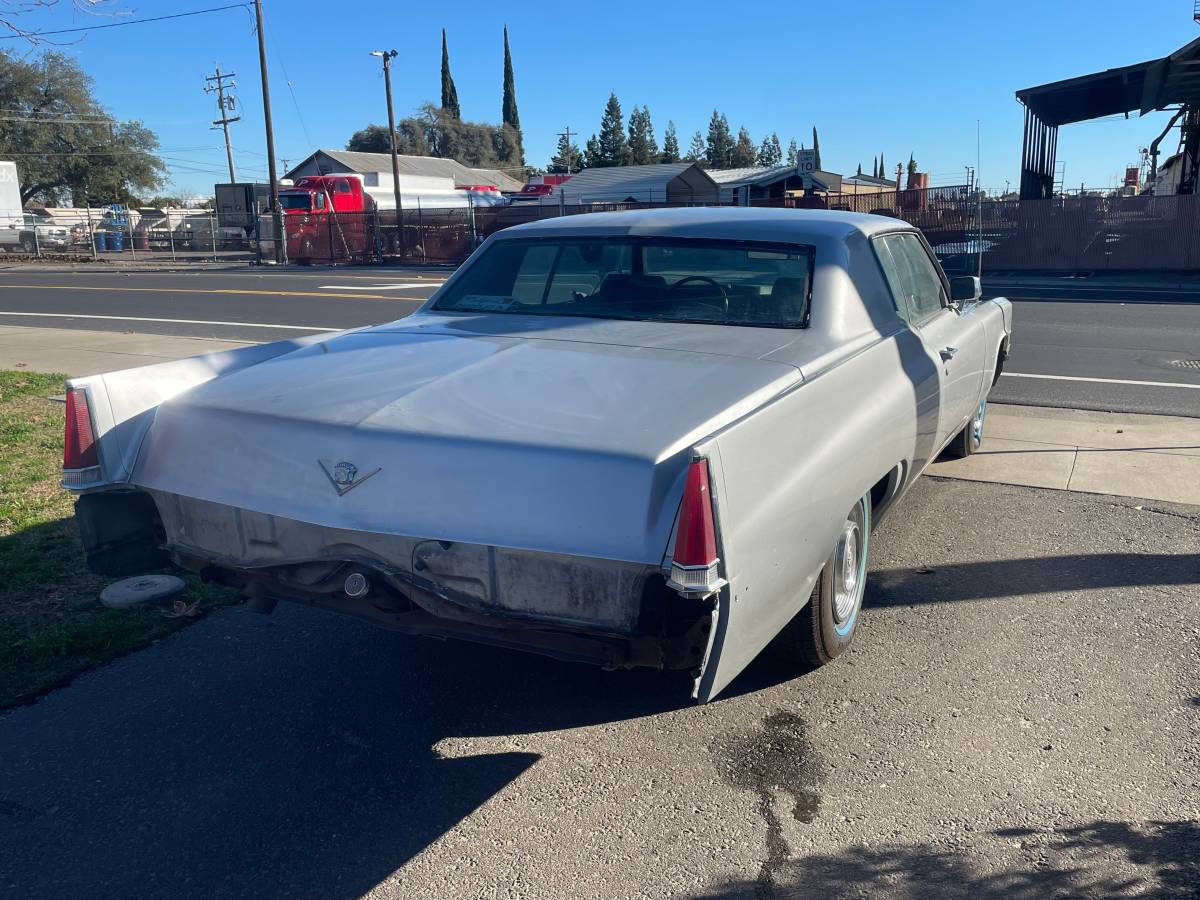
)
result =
(346, 217)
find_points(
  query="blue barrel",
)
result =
(116, 241)
(101, 240)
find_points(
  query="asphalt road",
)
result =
(1079, 354)
(1116, 343)
(1019, 718)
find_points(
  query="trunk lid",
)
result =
(550, 444)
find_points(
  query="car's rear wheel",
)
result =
(823, 629)
(970, 439)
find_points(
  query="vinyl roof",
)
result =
(1143, 87)
(725, 222)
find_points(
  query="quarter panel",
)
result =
(790, 473)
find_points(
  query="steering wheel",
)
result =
(724, 306)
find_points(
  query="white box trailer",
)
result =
(12, 213)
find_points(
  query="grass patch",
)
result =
(52, 625)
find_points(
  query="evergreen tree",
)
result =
(670, 150)
(875, 167)
(793, 154)
(696, 150)
(643, 148)
(743, 154)
(449, 91)
(614, 149)
(566, 158)
(882, 167)
(912, 165)
(816, 147)
(509, 114)
(719, 148)
(591, 153)
(770, 153)
(859, 172)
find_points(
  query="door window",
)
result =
(917, 289)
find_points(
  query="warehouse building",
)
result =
(331, 162)
(741, 187)
(682, 182)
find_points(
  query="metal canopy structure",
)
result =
(1145, 87)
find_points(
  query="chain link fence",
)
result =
(969, 232)
(117, 232)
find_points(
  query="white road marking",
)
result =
(381, 287)
(1176, 384)
(42, 315)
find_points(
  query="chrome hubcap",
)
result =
(846, 572)
(977, 425)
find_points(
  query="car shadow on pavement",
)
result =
(1159, 860)
(1032, 575)
(294, 755)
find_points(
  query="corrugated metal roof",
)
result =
(725, 176)
(870, 180)
(420, 165)
(621, 180)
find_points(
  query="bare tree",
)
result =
(12, 12)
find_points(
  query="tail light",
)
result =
(80, 457)
(695, 566)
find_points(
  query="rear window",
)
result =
(644, 279)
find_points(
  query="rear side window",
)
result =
(916, 286)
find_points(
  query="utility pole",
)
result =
(216, 84)
(388, 56)
(276, 214)
(566, 132)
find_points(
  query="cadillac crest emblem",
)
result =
(344, 476)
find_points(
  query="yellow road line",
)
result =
(324, 295)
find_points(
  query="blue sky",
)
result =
(873, 77)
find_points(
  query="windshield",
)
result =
(667, 279)
(296, 200)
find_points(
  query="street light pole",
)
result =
(276, 215)
(388, 56)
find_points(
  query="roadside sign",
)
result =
(806, 162)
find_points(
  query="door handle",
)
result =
(947, 353)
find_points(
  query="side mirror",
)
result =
(966, 289)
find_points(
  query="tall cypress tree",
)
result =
(816, 147)
(882, 167)
(670, 150)
(510, 116)
(449, 91)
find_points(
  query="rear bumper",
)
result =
(611, 613)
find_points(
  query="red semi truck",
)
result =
(341, 218)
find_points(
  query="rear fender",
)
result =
(122, 403)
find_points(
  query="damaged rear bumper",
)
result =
(612, 613)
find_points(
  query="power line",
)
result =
(183, 15)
